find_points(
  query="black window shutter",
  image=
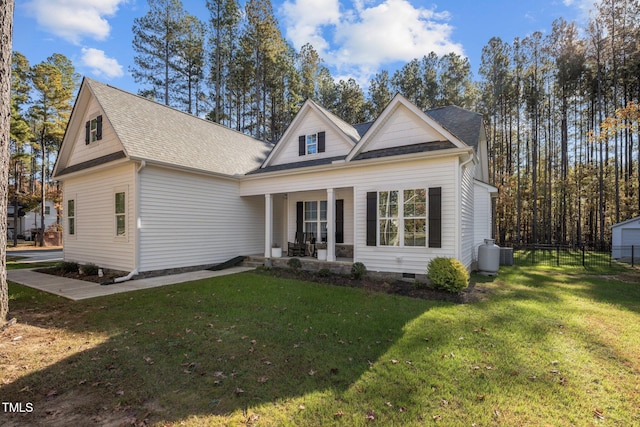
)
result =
(87, 132)
(320, 142)
(339, 221)
(99, 128)
(372, 217)
(302, 145)
(299, 217)
(435, 217)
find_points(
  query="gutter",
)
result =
(452, 152)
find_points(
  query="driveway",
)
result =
(37, 255)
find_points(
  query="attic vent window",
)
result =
(311, 144)
(93, 130)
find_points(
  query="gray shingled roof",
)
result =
(464, 124)
(297, 165)
(405, 149)
(345, 127)
(156, 133)
(93, 162)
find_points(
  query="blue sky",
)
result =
(356, 38)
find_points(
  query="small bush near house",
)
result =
(358, 270)
(324, 272)
(90, 269)
(294, 264)
(448, 274)
(68, 267)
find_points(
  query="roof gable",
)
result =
(402, 124)
(162, 135)
(340, 136)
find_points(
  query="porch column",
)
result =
(268, 224)
(331, 225)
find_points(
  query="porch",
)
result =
(309, 218)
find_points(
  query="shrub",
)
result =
(324, 272)
(90, 269)
(448, 274)
(68, 267)
(294, 264)
(358, 270)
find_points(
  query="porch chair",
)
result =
(298, 247)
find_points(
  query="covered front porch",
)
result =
(311, 220)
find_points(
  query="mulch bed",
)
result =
(107, 277)
(471, 294)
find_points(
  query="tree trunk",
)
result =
(6, 27)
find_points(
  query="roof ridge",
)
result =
(156, 103)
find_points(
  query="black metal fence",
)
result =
(559, 255)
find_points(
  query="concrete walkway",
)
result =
(80, 289)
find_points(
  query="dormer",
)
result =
(315, 135)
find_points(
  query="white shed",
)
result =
(625, 237)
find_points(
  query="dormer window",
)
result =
(93, 130)
(311, 144)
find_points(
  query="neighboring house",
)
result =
(150, 188)
(29, 222)
(625, 239)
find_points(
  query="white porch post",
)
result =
(331, 225)
(268, 224)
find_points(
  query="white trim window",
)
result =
(388, 218)
(415, 217)
(71, 217)
(402, 217)
(120, 209)
(312, 144)
(315, 222)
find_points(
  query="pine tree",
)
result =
(379, 93)
(156, 41)
(223, 23)
(49, 114)
(190, 63)
(6, 29)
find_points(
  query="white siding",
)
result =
(109, 143)
(623, 236)
(467, 215)
(441, 172)
(402, 128)
(95, 240)
(188, 219)
(335, 142)
(482, 226)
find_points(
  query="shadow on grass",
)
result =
(208, 348)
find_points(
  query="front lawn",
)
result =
(543, 349)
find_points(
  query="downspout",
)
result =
(138, 226)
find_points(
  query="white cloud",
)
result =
(358, 41)
(100, 64)
(304, 20)
(75, 19)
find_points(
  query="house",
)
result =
(625, 239)
(29, 222)
(150, 188)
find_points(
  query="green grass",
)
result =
(14, 263)
(545, 348)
